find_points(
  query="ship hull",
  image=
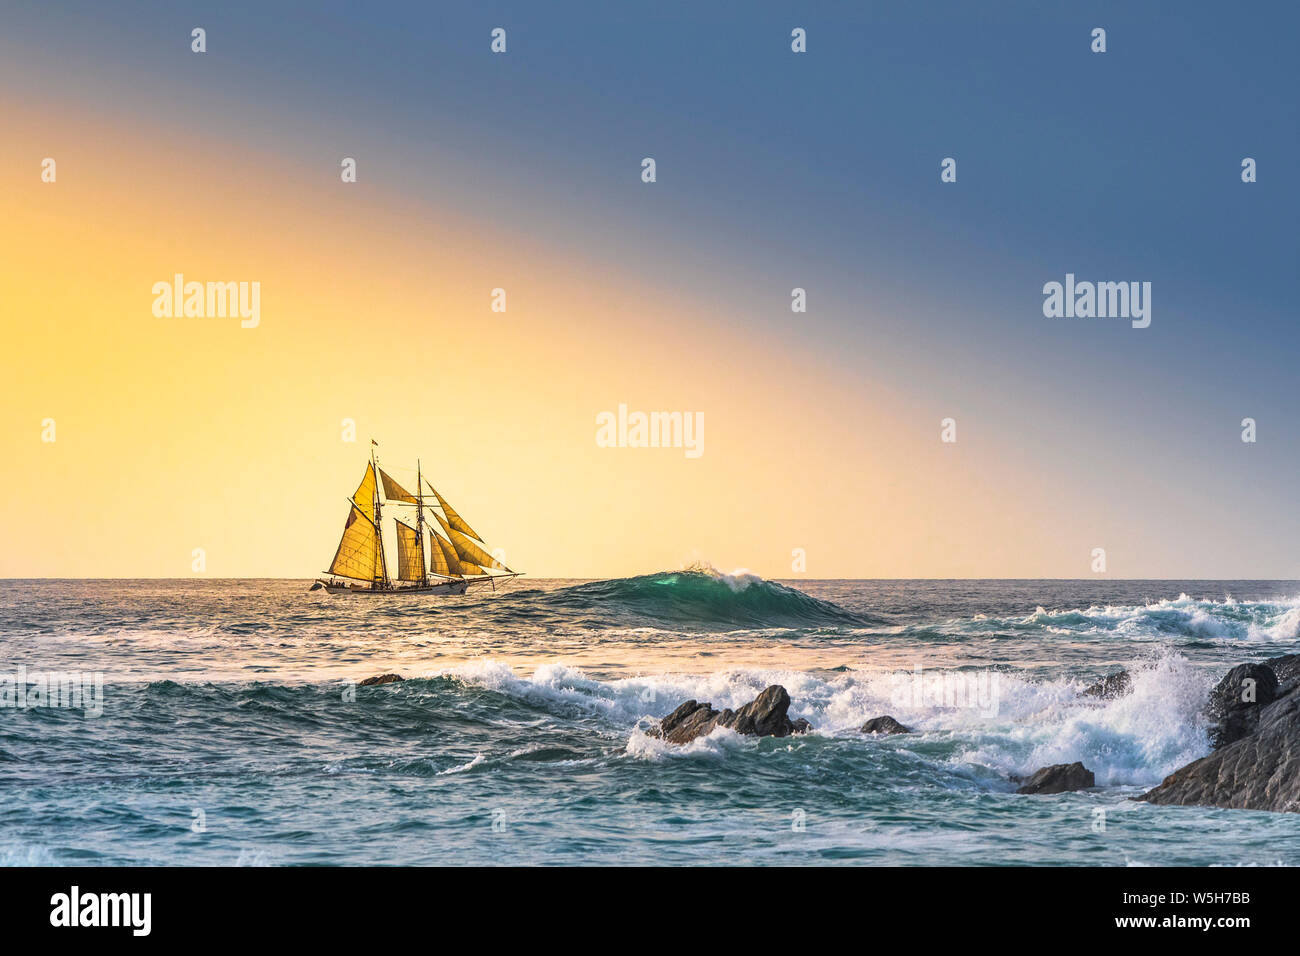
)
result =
(440, 589)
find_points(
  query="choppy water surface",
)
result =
(228, 736)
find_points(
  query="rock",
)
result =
(1236, 718)
(1109, 687)
(1261, 771)
(687, 722)
(884, 725)
(1059, 778)
(1286, 668)
(1256, 763)
(764, 716)
(381, 679)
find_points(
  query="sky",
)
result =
(775, 170)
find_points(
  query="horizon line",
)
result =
(672, 571)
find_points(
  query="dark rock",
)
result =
(1261, 771)
(1059, 778)
(884, 725)
(687, 722)
(1109, 687)
(764, 716)
(1236, 718)
(1286, 668)
(381, 679)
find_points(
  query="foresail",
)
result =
(410, 554)
(455, 520)
(469, 551)
(393, 491)
(364, 498)
(473, 558)
(449, 554)
(358, 553)
(442, 556)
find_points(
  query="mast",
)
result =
(379, 525)
(419, 523)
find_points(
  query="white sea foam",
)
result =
(478, 759)
(1227, 620)
(26, 855)
(1134, 740)
(1284, 628)
(715, 744)
(737, 580)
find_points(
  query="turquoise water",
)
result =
(231, 732)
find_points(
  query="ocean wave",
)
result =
(715, 744)
(26, 855)
(701, 596)
(1005, 720)
(997, 719)
(971, 724)
(1184, 617)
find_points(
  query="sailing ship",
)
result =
(457, 557)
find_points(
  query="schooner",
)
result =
(458, 557)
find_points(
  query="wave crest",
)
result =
(1199, 619)
(701, 595)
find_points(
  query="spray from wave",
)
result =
(1133, 740)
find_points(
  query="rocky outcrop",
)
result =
(1059, 778)
(1259, 770)
(687, 722)
(764, 716)
(1286, 668)
(381, 679)
(1236, 701)
(1109, 687)
(884, 725)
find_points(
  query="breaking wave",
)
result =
(998, 723)
(703, 596)
(1184, 617)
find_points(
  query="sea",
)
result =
(229, 728)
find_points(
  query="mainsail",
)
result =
(358, 553)
(364, 498)
(455, 520)
(410, 553)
